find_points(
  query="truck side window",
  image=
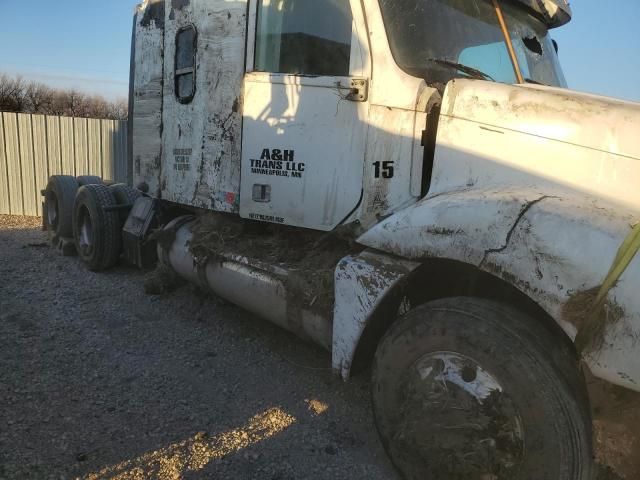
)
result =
(304, 37)
(185, 71)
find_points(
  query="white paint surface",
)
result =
(529, 185)
(536, 185)
(325, 134)
(361, 284)
(148, 91)
(209, 127)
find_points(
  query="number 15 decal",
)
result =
(383, 169)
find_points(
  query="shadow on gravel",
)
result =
(99, 380)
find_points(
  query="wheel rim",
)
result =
(52, 210)
(457, 421)
(85, 236)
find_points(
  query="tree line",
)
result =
(20, 96)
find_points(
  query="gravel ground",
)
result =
(98, 380)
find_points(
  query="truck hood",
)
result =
(599, 123)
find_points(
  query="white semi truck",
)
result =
(410, 185)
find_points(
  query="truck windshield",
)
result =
(429, 37)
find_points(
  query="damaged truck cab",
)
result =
(410, 185)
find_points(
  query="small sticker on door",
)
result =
(266, 218)
(182, 159)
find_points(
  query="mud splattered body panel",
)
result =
(531, 186)
(337, 163)
(148, 55)
(305, 144)
(201, 136)
(187, 150)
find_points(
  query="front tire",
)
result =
(465, 388)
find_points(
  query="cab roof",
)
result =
(555, 12)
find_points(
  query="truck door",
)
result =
(305, 113)
(204, 55)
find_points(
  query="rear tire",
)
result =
(124, 195)
(89, 180)
(58, 205)
(465, 388)
(96, 232)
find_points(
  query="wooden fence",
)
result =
(34, 147)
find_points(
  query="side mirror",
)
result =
(555, 45)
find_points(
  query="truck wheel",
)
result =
(96, 231)
(89, 180)
(124, 195)
(465, 388)
(58, 205)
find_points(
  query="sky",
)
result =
(85, 44)
(600, 47)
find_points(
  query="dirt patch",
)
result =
(590, 319)
(12, 222)
(449, 430)
(309, 256)
(162, 280)
(616, 425)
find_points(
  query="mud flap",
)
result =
(139, 250)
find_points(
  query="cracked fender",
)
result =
(550, 245)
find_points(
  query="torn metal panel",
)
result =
(465, 223)
(147, 95)
(563, 246)
(202, 136)
(361, 284)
